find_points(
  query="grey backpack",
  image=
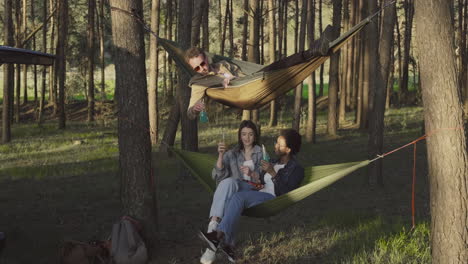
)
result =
(127, 245)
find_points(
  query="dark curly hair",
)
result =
(249, 124)
(293, 140)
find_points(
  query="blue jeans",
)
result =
(233, 211)
(225, 189)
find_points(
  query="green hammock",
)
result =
(259, 86)
(315, 179)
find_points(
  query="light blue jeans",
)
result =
(225, 189)
(233, 211)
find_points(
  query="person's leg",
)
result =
(225, 189)
(238, 202)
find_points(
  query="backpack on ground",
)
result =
(127, 246)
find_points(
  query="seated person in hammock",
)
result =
(279, 177)
(237, 169)
(200, 63)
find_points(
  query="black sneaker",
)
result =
(229, 252)
(210, 238)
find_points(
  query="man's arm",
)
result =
(192, 112)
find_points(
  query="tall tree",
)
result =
(298, 90)
(366, 78)
(311, 102)
(91, 47)
(409, 13)
(40, 117)
(333, 83)
(254, 38)
(345, 69)
(320, 24)
(33, 25)
(154, 73)
(18, 41)
(61, 65)
(380, 59)
(53, 73)
(8, 73)
(272, 55)
(24, 25)
(101, 28)
(189, 136)
(446, 144)
(198, 12)
(137, 193)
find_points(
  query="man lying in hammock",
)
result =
(279, 177)
(226, 71)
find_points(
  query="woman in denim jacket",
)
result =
(235, 170)
(279, 177)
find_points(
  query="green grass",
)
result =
(63, 184)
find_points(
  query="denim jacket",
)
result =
(287, 178)
(232, 160)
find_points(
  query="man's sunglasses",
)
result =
(199, 67)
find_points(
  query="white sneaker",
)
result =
(212, 226)
(208, 257)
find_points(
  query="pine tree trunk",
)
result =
(170, 15)
(245, 32)
(334, 81)
(53, 74)
(205, 26)
(101, 50)
(409, 12)
(33, 25)
(137, 190)
(367, 78)
(199, 7)
(253, 52)
(40, 116)
(189, 136)
(18, 66)
(153, 74)
(25, 67)
(272, 56)
(91, 47)
(8, 73)
(61, 53)
(298, 91)
(446, 144)
(380, 59)
(344, 89)
(322, 67)
(311, 102)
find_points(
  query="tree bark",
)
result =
(33, 25)
(367, 77)
(53, 74)
(446, 144)
(137, 190)
(154, 73)
(345, 69)
(199, 8)
(18, 66)
(25, 67)
(101, 18)
(40, 117)
(311, 102)
(205, 26)
(272, 56)
(296, 122)
(409, 12)
(91, 47)
(380, 59)
(8, 73)
(322, 67)
(254, 37)
(61, 53)
(189, 127)
(333, 84)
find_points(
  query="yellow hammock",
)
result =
(259, 86)
(315, 179)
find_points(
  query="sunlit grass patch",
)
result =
(344, 238)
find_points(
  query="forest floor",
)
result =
(63, 184)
